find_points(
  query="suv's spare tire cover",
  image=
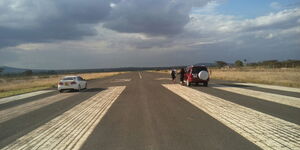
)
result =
(203, 75)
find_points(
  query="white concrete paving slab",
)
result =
(264, 130)
(72, 128)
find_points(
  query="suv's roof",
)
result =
(197, 66)
(197, 69)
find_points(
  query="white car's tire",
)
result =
(203, 75)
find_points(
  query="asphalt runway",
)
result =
(146, 111)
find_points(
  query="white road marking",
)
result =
(16, 111)
(274, 87)
(71, 129)
(281, 99)
(140, 75)
(264, 130)
(121, 80)
(22, 96)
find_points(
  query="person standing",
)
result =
(173, 75)
(182, 72)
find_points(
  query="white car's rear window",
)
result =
(69, 78)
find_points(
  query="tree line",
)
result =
(28, 73)
(238, 63)
(266, 64)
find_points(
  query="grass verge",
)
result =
(289, 77)
(282, 77)
(21, 85)
(22, 91)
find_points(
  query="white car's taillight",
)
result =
(73, 82)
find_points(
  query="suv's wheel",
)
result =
(205, 83)
(60, 91)
(203, 75)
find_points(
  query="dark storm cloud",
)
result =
(153, 17)
(78, 11)
(47, 33)
(31, 21)
(40, 21)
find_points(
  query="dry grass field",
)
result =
(20, 85)
(282, 76)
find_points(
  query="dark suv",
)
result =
(196, 74)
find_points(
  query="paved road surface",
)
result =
(145, 111)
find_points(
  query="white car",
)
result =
(71, 83)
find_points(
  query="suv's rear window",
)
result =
(68, 78)
(198, 69)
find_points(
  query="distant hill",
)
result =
(11, 70)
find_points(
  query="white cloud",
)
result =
(284, 18)
(269, 36)
(220, 23)
(205, 38)
(209, 8)
(276, 5)
(30, 46)
(112, 5)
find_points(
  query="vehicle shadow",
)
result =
(85, 90)
(94, 90)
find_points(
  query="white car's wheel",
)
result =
(203, 75)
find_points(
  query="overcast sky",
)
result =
(81, 34)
